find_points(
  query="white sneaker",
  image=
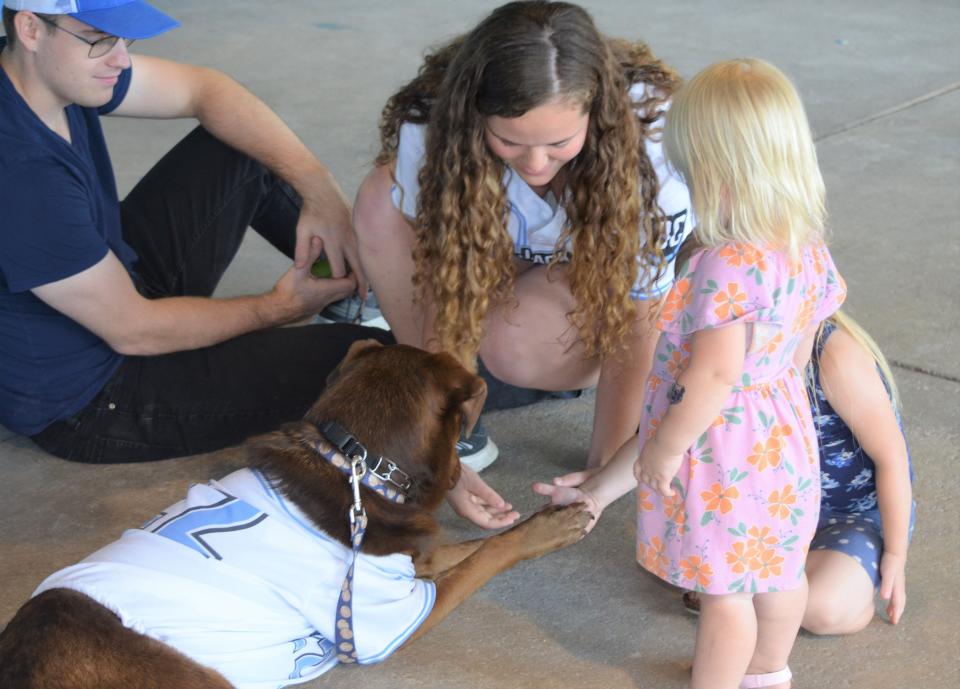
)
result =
(477, 451)
(352, 310)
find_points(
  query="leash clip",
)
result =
(358, 467)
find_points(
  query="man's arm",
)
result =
(103, 300)
(163, 89)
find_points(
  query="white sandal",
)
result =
(767, 679)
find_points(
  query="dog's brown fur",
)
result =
(401, 403)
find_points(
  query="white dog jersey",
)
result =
(237, 578)
(535, 223)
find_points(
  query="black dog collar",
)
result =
(384, 469)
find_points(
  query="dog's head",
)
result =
(401, 403)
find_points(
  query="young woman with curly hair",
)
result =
(521, 211)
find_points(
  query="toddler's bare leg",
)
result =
(778, 621)
(726, 637)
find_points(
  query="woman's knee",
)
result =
(505, 357)
(375, 218)
(525, 357)
(530, 342)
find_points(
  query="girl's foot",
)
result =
(768, 680)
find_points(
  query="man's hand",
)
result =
(473, 499)
(300, 294)
(324, 226)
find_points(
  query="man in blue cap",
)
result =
(111, 347)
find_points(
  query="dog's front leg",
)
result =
(549, 529)
(445, 557)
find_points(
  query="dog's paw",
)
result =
(552, 528)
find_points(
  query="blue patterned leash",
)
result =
(386, 479)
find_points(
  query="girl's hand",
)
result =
(893, 585)
(656, 468)
(565, 490)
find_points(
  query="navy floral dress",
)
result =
(849, 514)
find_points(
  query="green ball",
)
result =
(321, 268)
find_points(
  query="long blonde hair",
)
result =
(862, 337)
(521, 56)
(738, 135)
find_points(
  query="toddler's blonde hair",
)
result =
(739, 136)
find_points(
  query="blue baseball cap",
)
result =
(123, 18)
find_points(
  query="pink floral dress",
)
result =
(747, 494)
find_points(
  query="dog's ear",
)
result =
(464, 388)
(359, 346)
(355, 350)
(472, 406)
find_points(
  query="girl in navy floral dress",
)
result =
(865, 477)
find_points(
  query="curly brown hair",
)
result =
(523, 55)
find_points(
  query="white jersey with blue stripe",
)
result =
(535, 223)
(237, 578)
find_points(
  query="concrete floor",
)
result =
(881, 81)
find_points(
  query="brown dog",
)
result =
(227, 611)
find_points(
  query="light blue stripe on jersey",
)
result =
(522, 239)
(190, 526)
(316, 660)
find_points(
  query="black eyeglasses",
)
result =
(98, 48)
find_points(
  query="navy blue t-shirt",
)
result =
(59, 215)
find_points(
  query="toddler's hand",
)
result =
(656, 468)
(893, 585)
